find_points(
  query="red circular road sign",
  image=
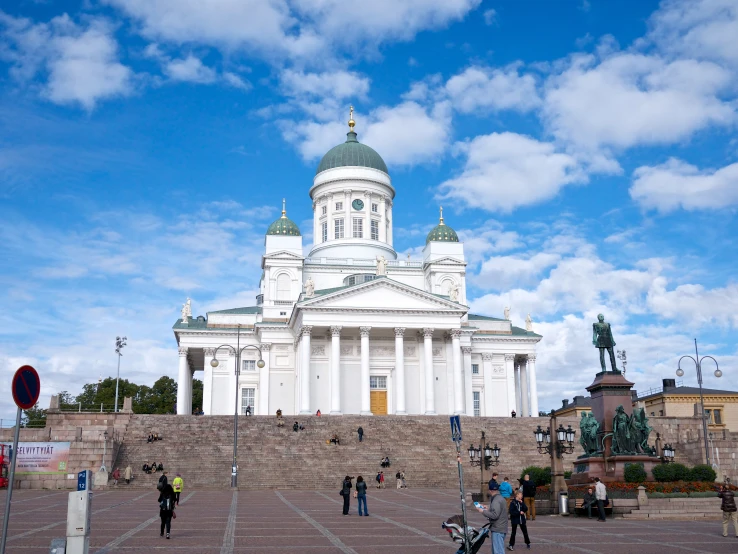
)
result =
(26, 387)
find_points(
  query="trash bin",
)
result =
(563, 503)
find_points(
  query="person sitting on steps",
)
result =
(296, 427)
(335, 440)
(385, 462)
(160, 467)
(150, 438)
(145, 468)
(280, 419)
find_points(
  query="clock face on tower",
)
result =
(357, 204)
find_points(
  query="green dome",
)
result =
(284, 226)
(352, 154)
(442, 233)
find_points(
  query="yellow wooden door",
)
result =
(378, 404)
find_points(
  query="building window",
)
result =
(375, 230)
(339, 206)
(375, 208)
(717, 417)
(282, 313)
(475, 369)
(324, 231)
(476, 403)
(378, 382)
(248, 365)
(661, 412)
(358, 228)
(247, 399)
(323, 210)
(338, 228)
(653, 414)
(284, 286)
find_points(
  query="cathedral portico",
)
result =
(352, 329)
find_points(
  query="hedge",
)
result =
(634, 473)
(539, 475)
(667, 473)
(702, 472)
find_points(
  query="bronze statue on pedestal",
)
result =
(602, 339)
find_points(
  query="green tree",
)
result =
(35, 417)
(94, 394)
(196, 395)
(66, 401)
(159, 399)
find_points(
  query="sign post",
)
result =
(456, 437)
(26, 387)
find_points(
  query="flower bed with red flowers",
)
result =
(630, 490)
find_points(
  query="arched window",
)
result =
(284, 286)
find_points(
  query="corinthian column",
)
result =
(458, 381)
(366, 408)
(524, 389)
(430, 394)
(533, 385)
(511, 387)
(400, 370)
(182, 382)
(207, 384)
(305, 370)
(468, 393)
(336, 370)
(264, 381)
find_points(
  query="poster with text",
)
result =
(46, 458)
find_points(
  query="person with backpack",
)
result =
(163, 481)
(730, 512)
(361, 495)
(346, 493)
(517, 518)
(178, 485)
(378, 478)
(166, 509)
(529, 495)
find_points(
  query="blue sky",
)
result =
(584, 151)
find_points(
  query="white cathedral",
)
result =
(353, 329)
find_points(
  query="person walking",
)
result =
(517, 511)
(381, 479)
(163, 481)
(402, 480)
(178, 485)
(730, 512)
(506, 492)
(588, 501)
(166, 509)
(378, 478)
(497, 514)
(360, 431)
(116, 476)
(600, 495)
(529, 496)
(399, 480)
(128, 474)
(346, 493)
(361, 495)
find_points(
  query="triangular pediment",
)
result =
(382, 293)
(283, 254)
(446, 260)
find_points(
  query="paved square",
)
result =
(401, 521)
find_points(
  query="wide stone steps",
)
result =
(201, 448)
(678, 509)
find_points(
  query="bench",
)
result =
(579, 507)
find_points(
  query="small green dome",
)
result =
(352, 154)
(442, 233)
(284, 226)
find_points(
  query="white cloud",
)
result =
(330, 84)
(704, 29)
(629, 99)
(405, 134)
(677, 184)
(694, 303)
(493, 89)
(235, 81)
(189, 69)
(505, 170)
(81, 63)
(490, 16)
(502, 272)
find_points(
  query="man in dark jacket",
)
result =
(588, 501)
(730, 512)
(163, 481)
(360, 431)
(497, 514)
(529, 496)
(346, 493)
(166, 508)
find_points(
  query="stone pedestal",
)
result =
(609, 390)
(100, 478)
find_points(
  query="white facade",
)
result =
(351, 325)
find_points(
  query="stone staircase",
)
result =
(678, 509)
(201, 448)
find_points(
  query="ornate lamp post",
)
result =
(214, 363)
(120, 342)
(482, 456)
(667, 454)
(105, 451)
(698, 364)
(556, 444)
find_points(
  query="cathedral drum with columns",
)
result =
(352, 329)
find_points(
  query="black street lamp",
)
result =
(485, 457)
(667, 454)
(214, 363)
(564, 441)
(698, 364)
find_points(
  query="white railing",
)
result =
(364, 262)
(283, 302)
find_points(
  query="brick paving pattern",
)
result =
(264, 521)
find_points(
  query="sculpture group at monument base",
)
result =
(609, 470)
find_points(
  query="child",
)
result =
(517, 517)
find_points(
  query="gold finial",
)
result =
(284, 210)
(441, 220)
(351, 121)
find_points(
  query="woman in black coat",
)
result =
(517, 518)
(346, 493)
(166, 508)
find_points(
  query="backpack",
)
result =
(165, 504)
(160, 485)
(378, 479)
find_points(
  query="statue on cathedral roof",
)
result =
(187, 310)
(381, 265)
(309, 287)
